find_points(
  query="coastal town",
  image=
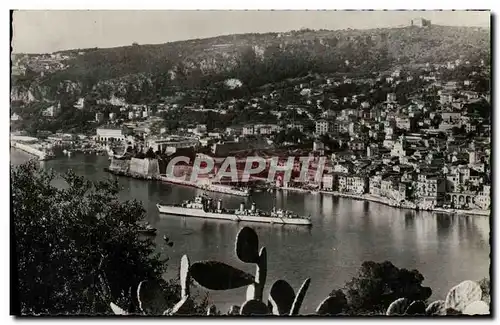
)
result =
(416, 136)
(347, 155)
(430, 148)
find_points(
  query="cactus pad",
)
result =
(281, 297)
(297, 303)
(247, 245)
(117, 310)
(151, 299)
(436, 308)
(332, 305)
(462, 295)
(184, 276)
(416, 308)
(477, 308)
(215, 275)
(398, 307)
(254, 307)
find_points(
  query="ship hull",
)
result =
(198, 213)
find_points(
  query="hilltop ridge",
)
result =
(153, 71)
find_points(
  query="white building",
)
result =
(322, 127)
(107, 134)
(327, 182)
(420, 22)
(248, 130)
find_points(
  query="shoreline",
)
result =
(30, 150)
(164, 179)
(359, 197)
(385, 201)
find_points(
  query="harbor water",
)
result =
(446, 249)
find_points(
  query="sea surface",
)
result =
(446, 249)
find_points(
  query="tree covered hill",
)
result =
(258, 59)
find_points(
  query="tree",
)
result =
(150, 153)
(72, 242)
(378, 284)
(459, 130)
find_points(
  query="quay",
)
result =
(40, 152)
(391, 203)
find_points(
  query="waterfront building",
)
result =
(109, 134)
(375, 183)
(355, 184)
(328, 183)
(430, 189)
(483, 199)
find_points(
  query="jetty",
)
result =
(32, 146)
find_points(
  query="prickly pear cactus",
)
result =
(398, 307)
(333, 304)
(247, 245)
(215, 275)
(254, 307)
(416, 308)
(297, 303)
(477, 308)
(117, 310)
(436, 308)
(260, 274)
(151, 299)
(463, 294)
(184, 276)
(211, 310)
(234, 310)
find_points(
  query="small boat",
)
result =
(147, 229)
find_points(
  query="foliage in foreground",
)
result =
(77, 247)
(368, 293)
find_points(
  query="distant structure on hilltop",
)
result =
(420, 22)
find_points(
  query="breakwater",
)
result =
(41, 154)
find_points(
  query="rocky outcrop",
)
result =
(33, 92)
(144, 167)
(136, 167)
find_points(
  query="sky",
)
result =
(46, 31)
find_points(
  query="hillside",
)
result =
(145, 73)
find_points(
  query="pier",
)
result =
(31, 149)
